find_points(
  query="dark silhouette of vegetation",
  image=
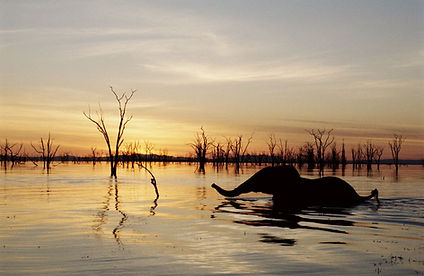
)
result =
(123, 121)
(47, 151)
(378, 153)
(370, 151)
(272, 144)
(334, 160)
(227, 152)
(322, 139)
(395, 147)
(153, 181)
(201, 145)
(286, 154)
(148, 148)
(344, 161)
(11, 153)
(130, 154)
(357, 157)
(239, 149)
(322, 152)
(93, 155)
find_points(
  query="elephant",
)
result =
(290, 189)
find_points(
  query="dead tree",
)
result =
(134, 149)
(47, 151)
(378, 153)
(239, 149)
(217, 152)
(334, 159)
(227, 152)
(286, 154)
(93, 155)
(129, 154)
(322, 140)
(6, 150)
(148, 150)
(344, 161)
(272, 143)
(395, 147)
(10, 153)
(357, 156)
(353, 153)
(123, 121)
(309, 155)
(201, 146)
(163, 153)
(369, 154)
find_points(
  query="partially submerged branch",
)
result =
(152, 180)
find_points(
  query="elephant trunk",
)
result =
(374, 193)
(227, 193)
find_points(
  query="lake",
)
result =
(78, 221)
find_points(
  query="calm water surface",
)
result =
(77, 221)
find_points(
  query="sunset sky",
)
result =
(233, 67)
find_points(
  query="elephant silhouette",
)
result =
(289, 189)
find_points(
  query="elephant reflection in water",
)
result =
(268, 214)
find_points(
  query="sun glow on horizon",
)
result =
(235, 68)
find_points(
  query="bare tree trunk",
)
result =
(322, 139)
(379, 152)
(395, 147)
(123, 121)
(47, 151)
(370, 152)
(271, 147)
(201, 146)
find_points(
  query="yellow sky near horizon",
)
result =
(235, 68)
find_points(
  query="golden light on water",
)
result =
(78, 215)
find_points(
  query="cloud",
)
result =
(248, 72)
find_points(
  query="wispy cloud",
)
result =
(249, 72)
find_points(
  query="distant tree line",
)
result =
(319, 153)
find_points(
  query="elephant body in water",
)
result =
(290, 189)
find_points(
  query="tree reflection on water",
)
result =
(102, 214)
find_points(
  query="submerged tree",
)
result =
(239, 149)
(344, 161)
(227, 151)
(286, 154)
(113, 150)
(395, 146)
(201, 146)
(93, 155)
(378, 153)
(334, 159)
(148, 150)
(272, 143)
(322, 140)
(217, 152)
(370, 152)
(47, 151)
(10, 152)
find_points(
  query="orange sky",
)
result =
(234, 67)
